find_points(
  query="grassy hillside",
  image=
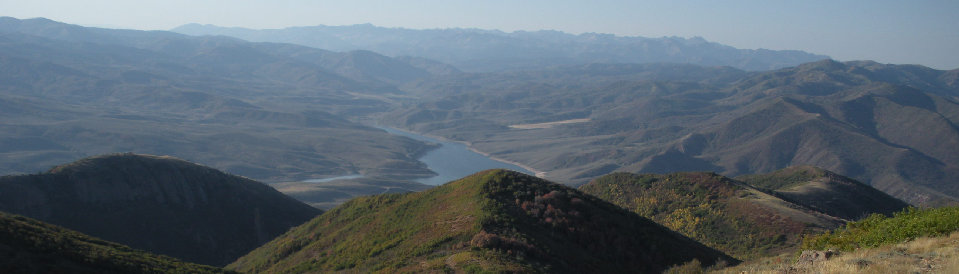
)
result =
(877, 229)
(160, 204)
(31, 246)
(826, 192)
(922, 255)
(491, 221)
(720, 212)
(911, 241)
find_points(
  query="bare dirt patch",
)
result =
(549, 124)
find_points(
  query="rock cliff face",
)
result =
(159, 204)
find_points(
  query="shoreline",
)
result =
(469, 146)
(537, 173)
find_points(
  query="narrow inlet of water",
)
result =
(453, 160)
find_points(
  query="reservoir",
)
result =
(453, 160)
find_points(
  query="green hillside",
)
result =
(826, 192)
(31, 246)
(496, 221)
(737, 218)
(715, 210)
(878, 230)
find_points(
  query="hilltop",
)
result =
(159, 204)
(741, 219)
(31, 246)
(494, 220)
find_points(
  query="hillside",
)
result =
(31, 246)
(720, 212)
(878, 230)
(159, 204)
(490, 50)
(746, 217)
(826, 192)
(911, 241)
(921, 255)
(494, 221)
(892, 127)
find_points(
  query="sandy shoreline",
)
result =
(537, 173)
(469, 146)
(549, 124)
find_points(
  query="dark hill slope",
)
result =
(159, 204)
(491, 221)
(720, 212)
(826, 192)
(31, 246)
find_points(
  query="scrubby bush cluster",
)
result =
(877, 229)
(704, 206)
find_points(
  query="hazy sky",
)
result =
(903, 32)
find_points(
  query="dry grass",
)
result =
(923, 255)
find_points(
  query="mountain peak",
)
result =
(825, 64)
(495, 220)
(90, 164)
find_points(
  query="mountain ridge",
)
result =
(490, 50)
(155, 92)
(890, 126)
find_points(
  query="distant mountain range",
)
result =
(283, 112)
(479, 50)
(747, 162)
(891, 126)
(273, 112)
(159, 204)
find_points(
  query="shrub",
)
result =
(877, 230)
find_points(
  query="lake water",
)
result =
(453, 160)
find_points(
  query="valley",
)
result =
(844, 117)
(449, 161)
(371, 149)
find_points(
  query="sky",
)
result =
(924, 32)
